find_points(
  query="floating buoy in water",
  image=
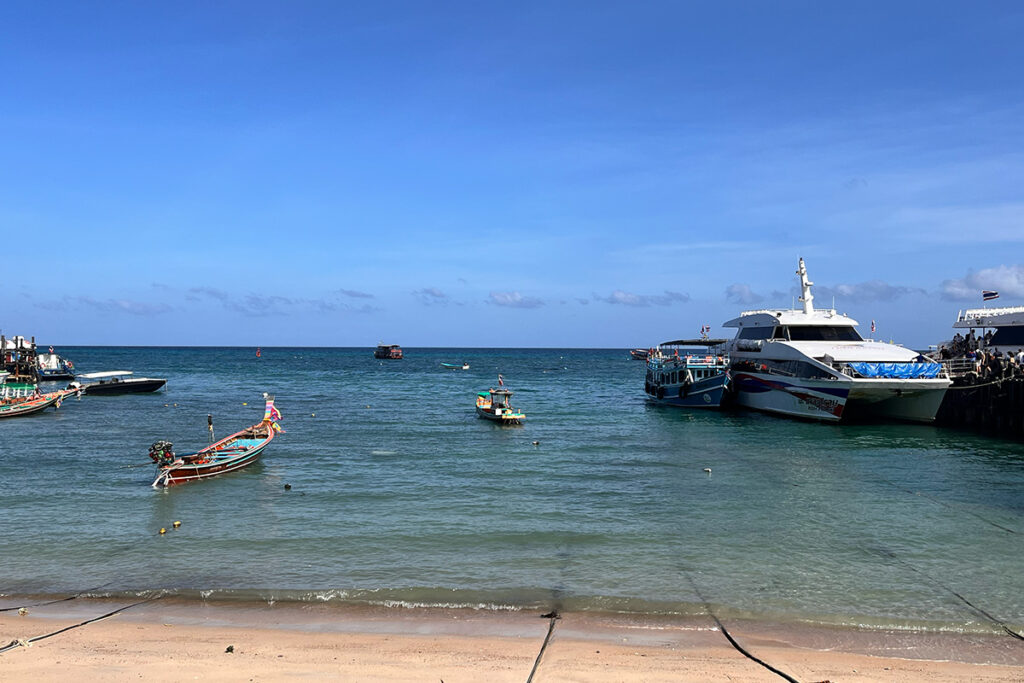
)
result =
(177, 524)
(163, 531)
(244, 403)
(287, 487)
(167, 405)
(313, 415)
(175, 405)
(536, 443)
(708, 470)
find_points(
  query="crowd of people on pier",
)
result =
(989, 364)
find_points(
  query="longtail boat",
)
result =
(24, 399)
(227, 455)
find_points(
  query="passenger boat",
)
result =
(639, 354)
(493, 405)
(116, 382)
(814, 364)
(688, 373)
(455, 366)
(18, 399)
(53, 368)
(1007, 321)
(388, 352)
(227, 455)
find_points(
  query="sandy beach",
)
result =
(173, 639)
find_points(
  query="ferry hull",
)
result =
(835, 401)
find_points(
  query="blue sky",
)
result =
(533, 174)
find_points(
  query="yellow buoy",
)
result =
(177, 524)
(314, 415)
(244, 403)
(163, 531)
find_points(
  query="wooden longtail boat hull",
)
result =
(31, 406)
(230, 454)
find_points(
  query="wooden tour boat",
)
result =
(388, 352)
(24, 399)
(227, 455)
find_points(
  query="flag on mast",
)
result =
(988, 295)
(501, 381)
(872, 327)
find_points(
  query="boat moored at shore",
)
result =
(688, 373)
(814, 364)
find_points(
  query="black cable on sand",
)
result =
(15, 643)
(996, 620)
(553, 617)
(732, 641)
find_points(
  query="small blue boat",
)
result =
(688, 373)
(455, 366)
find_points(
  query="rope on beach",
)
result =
(944, 504)
(996, 620)
(54, 602)
(547, 639)
(728, 636)
(25, 643)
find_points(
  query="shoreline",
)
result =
(169, 638)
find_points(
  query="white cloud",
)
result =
(630, 299)
(514, 300)
(1003, 279)
(742, 294)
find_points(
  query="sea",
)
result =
(387, 489)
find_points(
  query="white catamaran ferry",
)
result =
(814, 364)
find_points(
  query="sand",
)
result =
(174, 640)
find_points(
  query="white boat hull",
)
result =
(914, 400)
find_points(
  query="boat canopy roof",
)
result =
(694, 342)
(772, 317)
(1008, 316)
(108, 373)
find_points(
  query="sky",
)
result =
(571, 174)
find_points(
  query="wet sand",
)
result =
(173, 639)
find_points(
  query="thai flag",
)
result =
(988, 295)
(501, 381)
(704, 329)
(872, 327)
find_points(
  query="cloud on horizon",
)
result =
(141, 308)
(431, 296)
(639, 300)
(866, 292)
(742, 294)
(1007, 280)
(354, 294)
(514, 300)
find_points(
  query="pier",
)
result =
(994, 407)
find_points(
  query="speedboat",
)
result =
(688, 373)
(814, 364)
(639, 354)
(115, 382)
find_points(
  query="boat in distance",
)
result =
(680, 374)
(640, 354)
(493, 405)
(455, 366)
(388, 352)
(115, 382)
(230, 454)
(813, 364)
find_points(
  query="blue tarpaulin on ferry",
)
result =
(898, 370)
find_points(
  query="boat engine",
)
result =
(162, 452)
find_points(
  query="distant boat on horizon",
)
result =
(258, 353)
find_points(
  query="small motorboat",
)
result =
(227, 455)
(455, 366)
(115, 382)
(493, 405)
(53, 368)
(25, 399)
(639, 354)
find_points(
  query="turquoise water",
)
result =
(401, 495)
